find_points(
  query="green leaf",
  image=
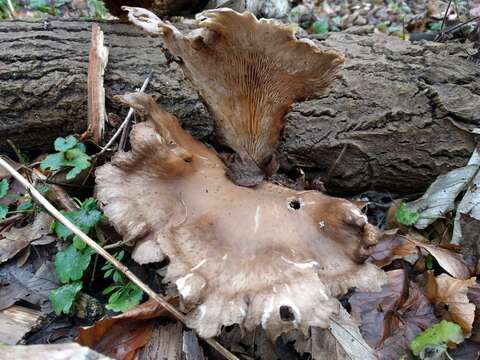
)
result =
(438, 336)
(3, 188)
(71, 154)
(78, 243)
(63, 298)
(64, 144)
(27, 205)
(53, 162)
(405, 216)
(126, 298)
(71, 263)
(320, 26)
(110, 288)
(3, 211)
(85, 218)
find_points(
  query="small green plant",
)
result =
(63, 298)
(86, 218)
(3, 192)
(71, 154)
(406, 216)
(435, 340)
(72, 262)
(123, 294)
(71, 265)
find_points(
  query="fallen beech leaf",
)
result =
(440, 197)
(16, 239)
(120, 337)
(20, 283)
(400, 307)
(270, 255)
(342, 340)
(451, 301)
(391, 248)
(450, 261)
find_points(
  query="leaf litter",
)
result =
(430, 293)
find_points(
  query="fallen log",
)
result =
(402, 114)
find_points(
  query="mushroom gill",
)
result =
(249, 72)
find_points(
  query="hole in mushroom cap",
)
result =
(286, 313)
(294, 204)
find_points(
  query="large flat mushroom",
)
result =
(264, 255)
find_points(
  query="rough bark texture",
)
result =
(398, 112)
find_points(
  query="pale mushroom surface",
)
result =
(269, 255)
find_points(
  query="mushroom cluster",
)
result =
(260, 255)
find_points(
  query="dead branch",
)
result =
(97, 61)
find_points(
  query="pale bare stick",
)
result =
(35, 194)
(126, 121)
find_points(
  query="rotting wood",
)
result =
(97, 61)
(37, 196)
(16, 322)
(394, 108)
(165, 343)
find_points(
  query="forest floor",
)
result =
(55, 290)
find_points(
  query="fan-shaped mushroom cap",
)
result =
(248, 71)
(270, 255)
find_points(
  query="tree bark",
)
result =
(402, 114)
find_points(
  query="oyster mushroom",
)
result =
(267, 255)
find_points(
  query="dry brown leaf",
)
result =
(16, 239)
(123, 335)
(391, 248)
(400, 307)
(451, 300)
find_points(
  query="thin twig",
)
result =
(35, 194)
(11, 8)
(456, 27)
(445, 18)
(126, 121)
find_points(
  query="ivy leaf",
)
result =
(71, 263)
(3, 211)
(3, 188)
(62, 298)
(124, 299)
(406, 216)
(436, 338)
(64, 144)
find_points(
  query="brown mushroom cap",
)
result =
(270, 255)
(249, 72)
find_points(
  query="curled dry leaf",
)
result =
(123, 335)
(395, 246)
(16, 239)
(269, 255)
(20, 283)
(451, 301)
(440, 197)
(400, 307)
(342, 340)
